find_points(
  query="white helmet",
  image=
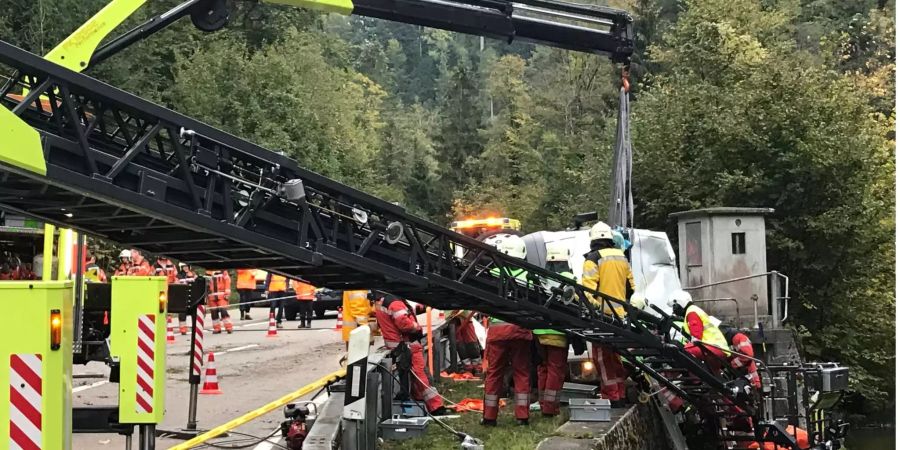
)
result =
(125, 254)
(600, 230)
(557, 251)
(512, 245)
(681, 298)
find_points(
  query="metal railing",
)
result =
(773, 276)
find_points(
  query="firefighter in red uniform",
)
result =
(185, 276)
(139, 265)
(467, 345)
(164, 267)
(217, 299)
(706, 341)
(741, 357)
(399, 327)
(507, 346)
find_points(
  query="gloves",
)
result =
(265, 295)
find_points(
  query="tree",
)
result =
(741, 117)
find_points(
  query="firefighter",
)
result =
(217, 299)
(606, 270)
(276, 286)
(306, 294)
(185, 276)
(246, 284)
(164, 267)
(139, 265)
(740, 359)
(553, 347)
(507, 346)
(467, 345)
(92, 271)
(356, 309)
(124, 263)
(401, 333)
(700, 330)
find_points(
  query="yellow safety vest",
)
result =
(711, 333)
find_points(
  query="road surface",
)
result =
(252, 369)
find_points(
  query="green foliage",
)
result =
(739, 117)
(776, 103)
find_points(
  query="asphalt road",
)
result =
(252, 369)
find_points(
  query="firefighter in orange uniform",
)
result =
(741, 357)
(306, 294)
(467, 345)
(139, 265)
(246, 284)
(124, 263)
(401, 333)
(217, 299)
(164, 267)
(276, 286)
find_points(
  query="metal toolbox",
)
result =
(589, 410)
(576, 390)
(826, 377)
(397, 428)
(407, 409)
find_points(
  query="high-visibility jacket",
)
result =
(246, 279)
(277, 283)
(608, 272)
(303, 291)
(555, 338)
(219, 286)
(93, 273)
(122, 269)
(140, 269)
(356, 304)
(699, 325)
(397, 321)
(164, 267)
(186, 276)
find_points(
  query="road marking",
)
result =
(89, 386)
(237, 349)
(266, 322)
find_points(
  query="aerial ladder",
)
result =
(82, 154)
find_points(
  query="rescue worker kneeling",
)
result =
(507, 346)
(606, 270)
(401, 333)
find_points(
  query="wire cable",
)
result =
(458, 434)
(256, 440)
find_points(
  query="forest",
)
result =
(787, 104)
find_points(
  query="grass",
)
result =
(506, 435)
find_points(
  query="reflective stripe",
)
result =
(430, 393)
(390, 344)
(399, 313)
(591, 271)
(522, 399)
(737, 363)
(745, 347)
(384, 310)
(612, 258)
(491, 400)
(550, 395)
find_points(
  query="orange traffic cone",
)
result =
(170, 331)
(211, 383)
(273, 330)
(339, 325)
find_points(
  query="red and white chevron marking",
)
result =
(146, 347)
(25, 403)
(197, 363)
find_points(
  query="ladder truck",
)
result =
(81, 154)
